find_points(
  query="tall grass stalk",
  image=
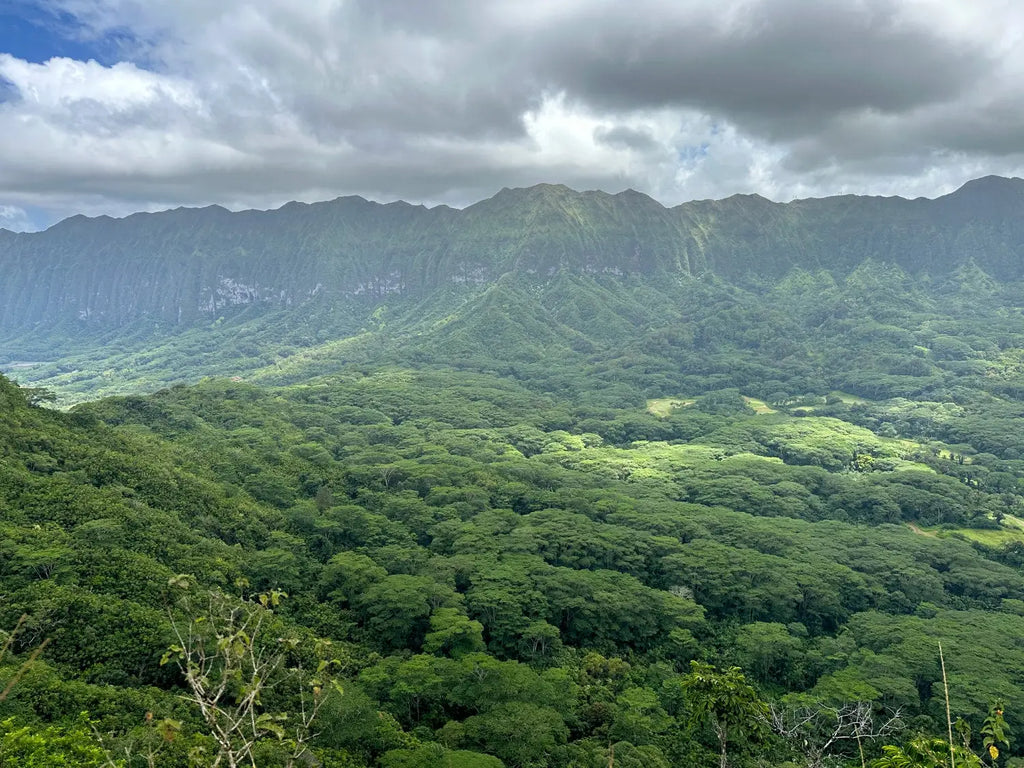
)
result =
(949, 717)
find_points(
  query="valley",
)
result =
(502, 483)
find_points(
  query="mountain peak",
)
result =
(543, 189)
(632, 194)
(991, 185)
(990, 196)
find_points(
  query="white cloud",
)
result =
(61, 85)
(81, 124)
(255, 103)
(15, 219)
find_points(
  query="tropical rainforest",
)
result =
(562, 479)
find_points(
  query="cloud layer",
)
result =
(255, 103)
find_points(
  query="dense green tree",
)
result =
(24, 746)
(727, 702)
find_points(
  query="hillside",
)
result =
(183, 266)
(95, 306)
(504, 575)
(517, 485)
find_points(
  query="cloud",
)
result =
(624, 137)
(255, 103)
(84, 126)
(15, 219)
(779, 66)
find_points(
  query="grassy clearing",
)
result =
(802, 404)
(1012, 521)
(662, 407)
(759, 406)
(849, 399)
(992, 538)
(1012, 530)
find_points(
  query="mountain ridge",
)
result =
(987, 182)
(340, 260)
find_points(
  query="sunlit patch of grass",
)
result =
(662, 407)
(849, 399)
(998, 537)
(1011, 530)
(1012, 521)
(759, 406)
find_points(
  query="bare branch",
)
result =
(229, 664)
(817, 731)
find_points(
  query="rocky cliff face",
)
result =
(186, 266)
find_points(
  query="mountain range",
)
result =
(101, 305)
(186, 266)
(533, 483)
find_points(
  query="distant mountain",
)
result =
(189, 266)
(100, 306)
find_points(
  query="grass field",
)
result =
(663, 406)
(759, 406)
(992, 538)
(1012, 530)
(849, 399)
(844, 397)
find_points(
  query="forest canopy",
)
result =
(567, 518)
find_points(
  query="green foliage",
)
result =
(436, 756)
(516, 562)
(994, 730)
(726, 701)
(231, 669)
(26, 747)
(925, 752)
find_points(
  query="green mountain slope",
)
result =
(481, 554)
(520, 465)
(184, 266)
(99, 306)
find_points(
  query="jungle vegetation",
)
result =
(570, 520)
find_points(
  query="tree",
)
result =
(522, 735)
(816, 730)
(436, 756)
(452, 632)
(926, 752)
(25, 746)
(727, 701)
(5, 690)
(232, 663)
(324, 498)
(397, 609)
(929, 752)
(993, 731)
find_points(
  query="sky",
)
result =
(114, 106)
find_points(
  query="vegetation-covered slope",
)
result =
(504, 572)
(188, 266)
(94, 306)
(527, 497)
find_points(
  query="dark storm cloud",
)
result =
(783, 69)
(779, 66)
(369, 72)
(468, 69)
(783, 65)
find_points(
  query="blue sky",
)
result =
(36, 32)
